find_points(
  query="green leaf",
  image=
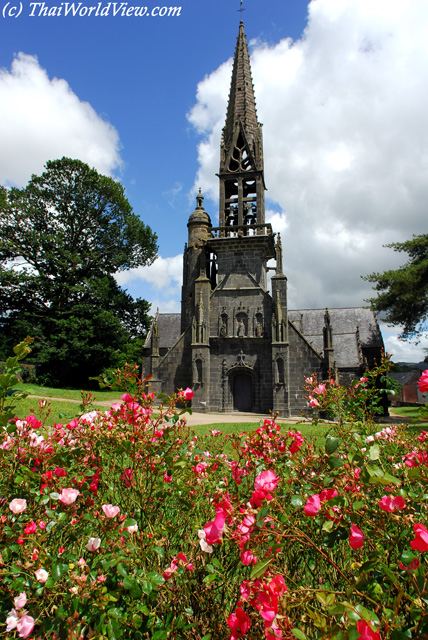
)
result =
(331, 444)
(335, 463)
(407, 557)
(299, 634)
(146, 586)
(260, 568)
(130, 522)
(122, 570)
(57, 571)
(113, 629)
(374, 452)
(296, 501)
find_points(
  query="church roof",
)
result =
(354, 329)
(242, 102)
(169, 330)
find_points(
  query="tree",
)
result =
(403, 292)
(62, 239)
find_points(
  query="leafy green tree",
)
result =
(62, 239)
(403, 293)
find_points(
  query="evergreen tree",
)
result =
(62, 238)
(403, 293)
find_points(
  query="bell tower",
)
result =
(241, 153)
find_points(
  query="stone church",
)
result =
(235, 343)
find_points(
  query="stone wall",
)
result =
(303, 362)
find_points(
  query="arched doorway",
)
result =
(242, 392)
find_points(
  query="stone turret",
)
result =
(194, 261)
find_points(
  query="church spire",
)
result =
(241, 154)
(242, 102)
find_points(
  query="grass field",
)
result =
(68, 394)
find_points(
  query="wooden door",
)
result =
(242, 393)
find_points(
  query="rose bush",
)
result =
(125, 524)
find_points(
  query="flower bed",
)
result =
(121, 525)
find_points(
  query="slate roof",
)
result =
(344, 323)
(405, 376)
(169, 329)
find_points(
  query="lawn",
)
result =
(68, 394)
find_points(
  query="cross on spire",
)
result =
(241, 9)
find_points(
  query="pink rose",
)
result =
(366, 631)
(30, 528)
(423, 382)
(420, 543)
(248, 558)
(110, 511)
(68, 496)
(41, 575)
(313, 505)
(20, 601)
(214, 529)
(319, 389)
(18, 505)
(187, 393)
(11, 620)
(33, 422)
(93, 544)
(266, 481)
(389, 503)
(24, 626)
(356, 539)
(239, 622)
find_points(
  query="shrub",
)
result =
(124, 524)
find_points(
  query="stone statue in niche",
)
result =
(241, 328)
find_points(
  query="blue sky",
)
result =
(341, 88)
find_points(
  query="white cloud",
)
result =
(403, 351)
(171, 305)
(165, 274)
(345, 142)
(42, 119)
